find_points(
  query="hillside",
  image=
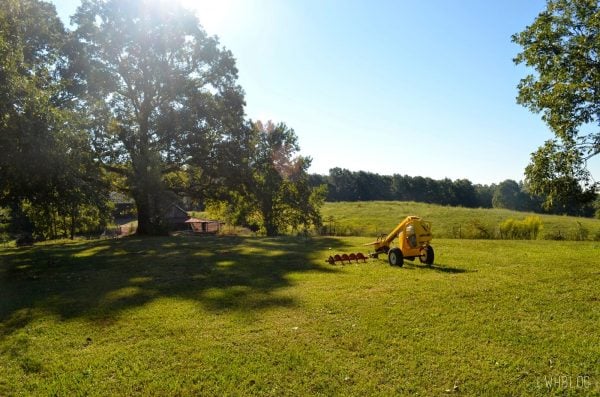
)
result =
(371, 218)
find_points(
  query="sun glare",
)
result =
(215, 15)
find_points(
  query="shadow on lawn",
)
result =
(437, 268)
(100, 279)
(448, 269)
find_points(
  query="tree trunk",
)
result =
(73, 220)
(271, 229)
(53, 225)
(146, 179)
(143, 214)
(65, 226)
(269, 222)
(148, 197)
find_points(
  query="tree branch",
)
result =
(117, 170)
(170, 168)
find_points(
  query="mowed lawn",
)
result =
(258, 316)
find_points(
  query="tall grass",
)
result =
(373, 218)
(527, 229)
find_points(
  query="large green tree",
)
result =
(30, 40)
(275, 182)
(562, 45)
(160, 95)
(508, 195)
(46, 165)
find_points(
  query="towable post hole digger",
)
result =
(414, 236)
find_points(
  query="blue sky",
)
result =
(411, 87)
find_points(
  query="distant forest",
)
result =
(346, 185)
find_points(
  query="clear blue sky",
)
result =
(411, 87)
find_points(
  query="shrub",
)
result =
(477, 230)
(506, 228)
(526, 229)
(533, 225)
(581, 233)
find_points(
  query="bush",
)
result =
(526, 229)
(533, 225)
(506, 228)
(477, 230)
(581, 233)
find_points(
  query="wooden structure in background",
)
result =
(204, 226)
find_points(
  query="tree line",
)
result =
(136, 99)
(345, 185)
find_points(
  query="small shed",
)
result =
(204, 226)
(176, 217)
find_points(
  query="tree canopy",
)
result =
(562, 46)
(272, 189)
(160, 94)
(46, 167)
(138, 99)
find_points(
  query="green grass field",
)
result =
(256, 316)
(372, 218)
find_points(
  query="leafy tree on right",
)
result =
(562, 45)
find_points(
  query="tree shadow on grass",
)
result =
(98, 280)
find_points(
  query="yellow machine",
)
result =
(414, 235)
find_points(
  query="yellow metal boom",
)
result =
(414, 236)
(385, 242)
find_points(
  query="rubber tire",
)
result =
(429, 256)
(395, 257)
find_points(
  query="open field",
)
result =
(231, 315)
(370, 218)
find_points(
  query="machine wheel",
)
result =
(395, 257)
(427, 255)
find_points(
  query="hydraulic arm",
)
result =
(414, 236)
